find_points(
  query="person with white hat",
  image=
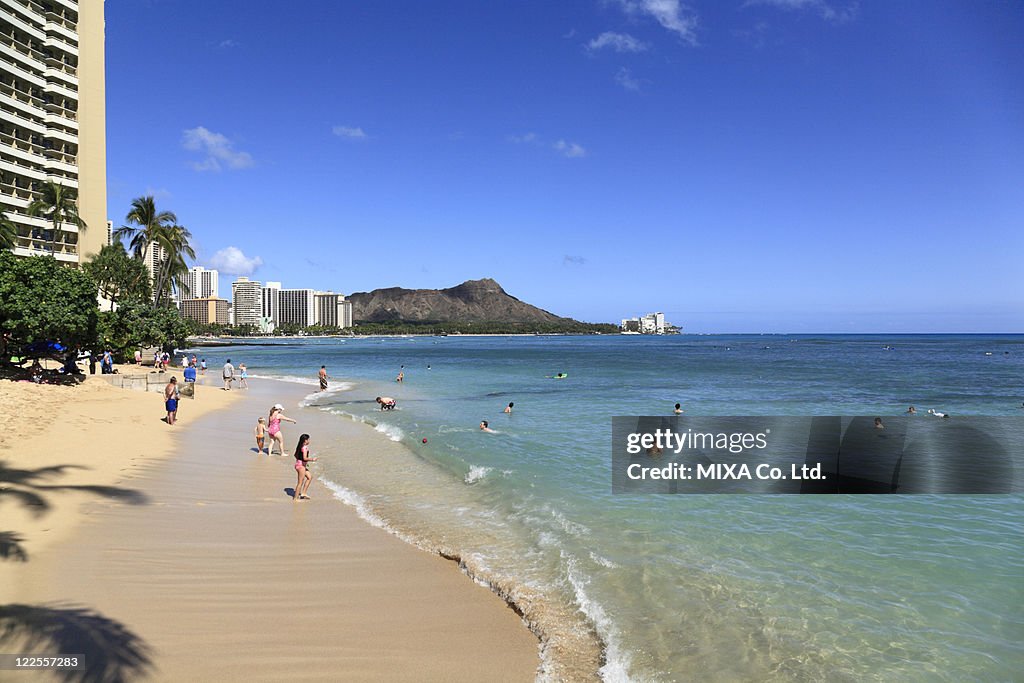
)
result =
(274, 428)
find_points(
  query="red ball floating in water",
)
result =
(424, 439)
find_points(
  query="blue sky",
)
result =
(768, 165)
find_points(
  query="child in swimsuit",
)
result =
(261, 431)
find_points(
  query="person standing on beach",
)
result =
(243, 376)
(228, 374)
(323, 378)
(171, 400)
(261, 433)
(302, 461)
(274, 428)
(202, 367)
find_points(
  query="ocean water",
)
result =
(666, 588)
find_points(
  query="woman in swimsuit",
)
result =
(302, 461)
(274, 428)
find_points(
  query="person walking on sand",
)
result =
(323, 378)
(274, 428)
(302, 461)
(243, 375)
(171, 400)
(228, 374)
(202, 367)
(261, 434)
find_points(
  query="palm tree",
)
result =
(145, 222)
(8, 232)
(57, 203)
(175, 242)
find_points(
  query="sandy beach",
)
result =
(183, 548)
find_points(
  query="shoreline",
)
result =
(468, 629)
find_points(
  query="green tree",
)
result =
(58, 204)
(175, 240)
(144, 223)
(136, 325)
(119, 276)
(8, 232)
(40, 300)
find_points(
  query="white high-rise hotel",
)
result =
(52, 120)
(201, 283)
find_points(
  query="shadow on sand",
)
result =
(111, 652)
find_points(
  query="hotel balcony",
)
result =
(62, 251)
(61, 89)
(21, 66)
(17, 119)
(64, 72)
(54, 24)
(57, 43)
(16, 18)
(8, 165)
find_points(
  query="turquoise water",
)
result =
(684, 587)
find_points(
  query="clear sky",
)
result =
(743, 166)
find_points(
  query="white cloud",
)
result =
(228, 43)
(570, 149)
(671, 14)
(824, 9)
(232, 261)
(217, 150)
(620, 42)
(624, 77)
(349, 132)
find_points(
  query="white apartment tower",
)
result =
(52, 120)
(202, 283)
(245, 301)
(297, 307)
(271, 302)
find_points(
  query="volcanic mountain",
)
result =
(472, 301)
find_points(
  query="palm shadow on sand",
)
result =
(107, 649)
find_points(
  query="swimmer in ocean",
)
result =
(485, 427)
(911, 410)
(678, 409)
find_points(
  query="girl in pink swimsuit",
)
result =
(302, 461)
(274, 428)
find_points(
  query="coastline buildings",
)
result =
(52, 121)
(245, 301)
(652, 323)
(206, 310)
(296, 307)
(332, 310)
(202, 283)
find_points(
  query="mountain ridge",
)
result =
(482, 300)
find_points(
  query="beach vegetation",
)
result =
(144, 222)
(120, 278)
(42, 301)
(8, 232)
(58, 204)
(176, 243)
(135, 325)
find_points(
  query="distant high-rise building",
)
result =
(206, 310)
(155, 257)
(332, 310)
(245, 298)
(202, 283)
(52, 121)
(296, 307)
(271, 301)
